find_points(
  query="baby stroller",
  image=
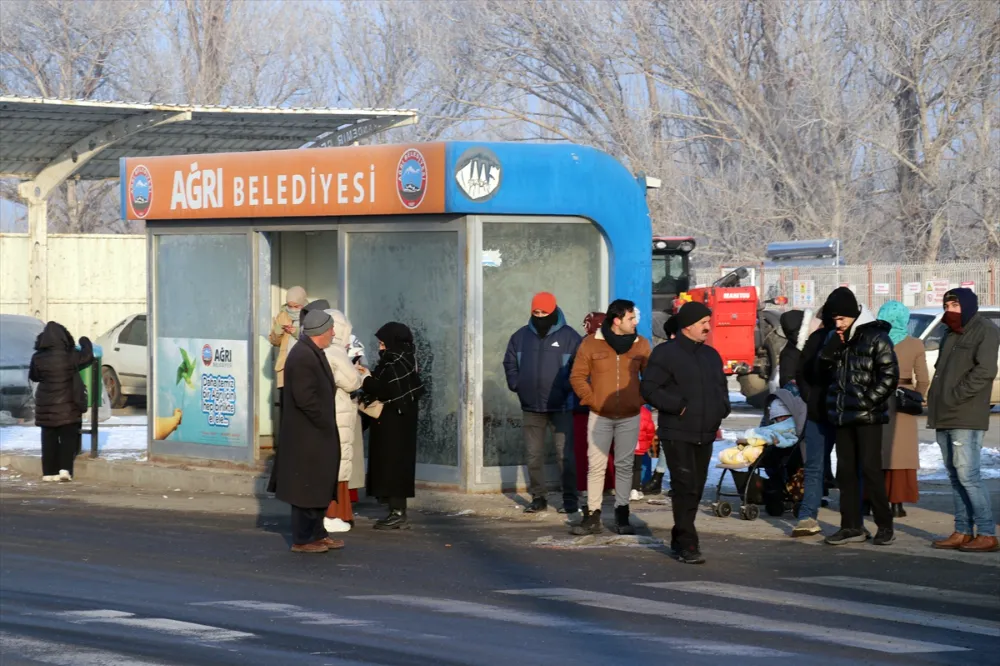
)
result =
(781, 490)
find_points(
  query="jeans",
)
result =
(601, 431)
(960, 450)
(861, 446)
(819, 438)
(534, 425)
(688, 462)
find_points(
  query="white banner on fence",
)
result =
(935, 291)
(804, 294)
(882, 288)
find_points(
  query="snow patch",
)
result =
(121, 442)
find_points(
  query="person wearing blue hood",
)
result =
(537, 365)
(958, 405)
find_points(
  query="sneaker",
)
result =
(806, 527)
(689, 556)
(537, 505)
(622, 525)
(591, 524)
(64, 475)
(846, 536)
(635, 496)
(394, 521)
(336, 525)
(50, 477)
(884, 536)
(314, 547)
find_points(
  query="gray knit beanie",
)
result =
(316, 322)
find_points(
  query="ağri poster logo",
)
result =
(201, 391)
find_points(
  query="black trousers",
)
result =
(397, 504)
(59, 448)
(637, 472)
(307, 525)
(688, 465)
(861, 446)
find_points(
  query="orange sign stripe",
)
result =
(355, 180)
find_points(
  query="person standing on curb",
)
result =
(537, 365)
(285, 333)
(686, 384)
(308, 461)
(959, 409)
(900, 446)
(61, 398)
(605, 376)
(864, 370)
(813, 381)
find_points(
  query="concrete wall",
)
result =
(94, 280)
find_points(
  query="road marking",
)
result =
(288, 611)
(969, 625)
(200, 632)
(640, 606)
(61, 654)
(518, 616)
(902, 590)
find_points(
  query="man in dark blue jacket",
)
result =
(537, 365)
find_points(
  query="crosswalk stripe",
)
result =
(902, 590)
(201, 632)
(59, 654)
(842, 606)
(289, 611)
(640, 606)
(517, 616)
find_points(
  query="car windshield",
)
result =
(17, 341)
(918, 324)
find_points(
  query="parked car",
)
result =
(125, 361)
(17, 343)
(926, 324)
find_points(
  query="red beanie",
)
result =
(543, 301)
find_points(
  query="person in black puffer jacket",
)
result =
(60, 398)
(864, 371)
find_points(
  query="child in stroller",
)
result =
(772, 448)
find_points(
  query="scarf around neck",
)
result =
(620, 343)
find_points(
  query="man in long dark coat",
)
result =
(309, 456)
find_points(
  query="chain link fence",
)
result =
(916, 285)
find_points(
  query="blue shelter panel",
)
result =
(562, 179)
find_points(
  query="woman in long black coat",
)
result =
(392, 443)
(60, 399)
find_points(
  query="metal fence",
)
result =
(916, 285)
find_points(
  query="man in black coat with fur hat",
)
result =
(308, 459)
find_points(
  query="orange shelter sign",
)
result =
(355, 180)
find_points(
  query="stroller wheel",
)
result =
(723, 509)
(774, 508)
(749, 512)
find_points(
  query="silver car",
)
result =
(17, 344)
(125, 364)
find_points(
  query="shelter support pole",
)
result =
(38, 235)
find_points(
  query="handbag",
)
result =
(372, 409)
(909, 402)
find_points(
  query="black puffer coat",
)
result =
(59, 399)
(864, 373)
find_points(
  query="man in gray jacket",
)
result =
(959, 409)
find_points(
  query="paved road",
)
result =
(88, 586)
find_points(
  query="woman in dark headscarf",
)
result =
(392, 443)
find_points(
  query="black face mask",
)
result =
(543, 324)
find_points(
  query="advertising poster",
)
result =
(202, 391)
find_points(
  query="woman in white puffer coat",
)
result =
(347, 376)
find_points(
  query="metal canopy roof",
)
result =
(36, 133)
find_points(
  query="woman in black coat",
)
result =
(60, 399)
(392, 443)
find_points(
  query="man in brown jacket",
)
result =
(605, 376)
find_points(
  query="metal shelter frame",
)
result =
(45, 141)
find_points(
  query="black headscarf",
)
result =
(396, 371)
(55, 336)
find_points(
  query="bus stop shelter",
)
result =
(452, 239)
(45, 142)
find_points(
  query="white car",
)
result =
(125, 360)
(926, 324)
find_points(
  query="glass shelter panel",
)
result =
(413, 277)
(519, 260)
(201, 348)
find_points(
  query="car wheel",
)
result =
(113, 387)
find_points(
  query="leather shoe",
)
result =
(981, 544)
(954, 542)
(332, 544)
(314, 547)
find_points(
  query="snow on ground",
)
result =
(119, 442)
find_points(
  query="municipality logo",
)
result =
(411, 178)
(140, 191)
(206, 355)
